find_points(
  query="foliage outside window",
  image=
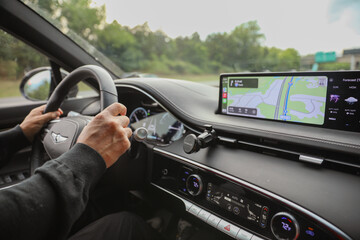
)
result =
(16, 58)
(139, 49)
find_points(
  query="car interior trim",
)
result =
(310, 159)
(10, 186)
(294, 206)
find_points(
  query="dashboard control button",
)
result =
(236, 210)
(20, 176)
(265, 211)
(188, 205)
(164, 172)
(7, 179)
(243, 235)
(194, 210)
(213, 220)
(204, 215)
(264, 216)
(229, 207)
(309, 233)
(284, 226)
(228, 228)
(194, 184)
(140, 134)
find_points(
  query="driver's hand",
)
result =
(35, 120)
(108, 133)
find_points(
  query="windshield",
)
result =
(198, 40)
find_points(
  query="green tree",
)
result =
(80, 17)
(216, 44)
(116, 42)
(243, 50)
(334, 66)
(151, 43)
(193, 50)
(16, 57)
(275, 59)
(289, 59)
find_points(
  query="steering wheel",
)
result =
(60, 135)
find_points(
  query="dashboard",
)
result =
(257, 179)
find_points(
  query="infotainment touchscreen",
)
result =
(326, 99)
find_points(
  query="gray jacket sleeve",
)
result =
(11, 141)
(46, 205)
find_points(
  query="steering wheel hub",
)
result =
(62, 135)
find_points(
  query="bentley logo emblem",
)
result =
(58, 138)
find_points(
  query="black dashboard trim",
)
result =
(339, 233)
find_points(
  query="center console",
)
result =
(235, 207)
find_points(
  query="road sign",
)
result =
(322, 57)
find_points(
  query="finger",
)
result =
(128, 132)
(115, 109)
(44, 118)
(40, 109)
(123, 110)
(123, 120)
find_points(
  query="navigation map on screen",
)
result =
(285, 98)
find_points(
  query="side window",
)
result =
(19, 61)
(16, 58)
(85, 90)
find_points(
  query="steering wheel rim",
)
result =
(108, 93)
(108, 96)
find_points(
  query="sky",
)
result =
(308, 26)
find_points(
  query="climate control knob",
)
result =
(194, 184)
(284, 226)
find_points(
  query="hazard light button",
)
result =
(228, 228)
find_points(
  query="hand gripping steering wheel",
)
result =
(60, 135)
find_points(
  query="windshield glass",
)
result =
(198, 40)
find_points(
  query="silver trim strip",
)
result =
(260, 190)
(225, 139)
(309, 159)
(10, 186)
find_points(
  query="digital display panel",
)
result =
(299, 99)
(238, 205)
